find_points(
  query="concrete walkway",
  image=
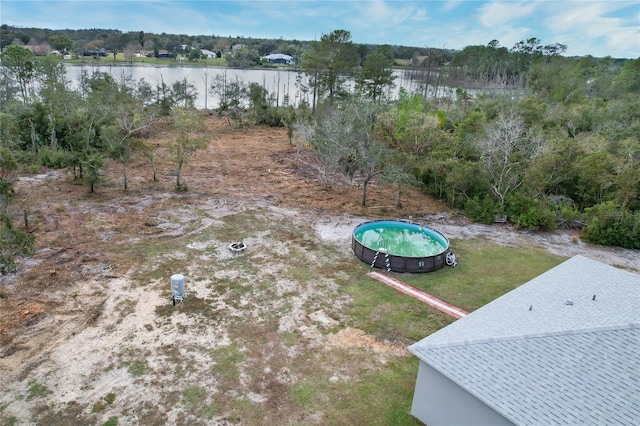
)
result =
(417, 294)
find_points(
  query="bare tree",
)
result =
(205, 77)
(506, 149)
(233, 95)
(370, 153)
(345, 141)
(131, 121)
(190, 126)
(396, 172)
(326, 139)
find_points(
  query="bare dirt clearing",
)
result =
(87, 329)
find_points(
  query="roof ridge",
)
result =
(631, 325)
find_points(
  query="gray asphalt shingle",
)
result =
(556, 363)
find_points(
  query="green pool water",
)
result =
(400, 238)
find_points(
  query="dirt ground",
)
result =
(68, 306)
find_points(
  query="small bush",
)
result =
(32, 169)
(482, 210)
(54, 159)
(609, 225)
(530, 213)
(568, 217)
(98, 407)
(273, 117)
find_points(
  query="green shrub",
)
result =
(568, 217)
(32, 169)
(54, 159)
(530, 213)
(14, 242)
(610, 225)
(482, 210)
(269, 116)
(8, 160)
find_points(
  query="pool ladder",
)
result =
(386, 256)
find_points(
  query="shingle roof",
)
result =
(558, 363)
(279, 56)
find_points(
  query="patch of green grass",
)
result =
(102, 404)
(382, 397)
(120, 59)
(242, 404)
(289, 338)
(37, 390)
(111, 421)
(485, 271)
(9, 421)
(194, 397)
(209, 410)
(190, 305)
(238, 226)
(226, 361)
(301, 272)
(306, 393)
(389, 315)
(136, 368)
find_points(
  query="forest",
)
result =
(528, 136)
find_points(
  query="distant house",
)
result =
(162, 54)
(208, 54)
(95, 52)
(563, 348)
(278, 58)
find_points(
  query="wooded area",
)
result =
(542, 140)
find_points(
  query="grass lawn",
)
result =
(485, 271)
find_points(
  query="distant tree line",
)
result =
(557, 147)
(78, 41)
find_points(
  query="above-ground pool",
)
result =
(400, 246)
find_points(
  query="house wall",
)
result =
(437, 401)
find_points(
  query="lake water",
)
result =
(283, 86)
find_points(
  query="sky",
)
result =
(597, 28)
